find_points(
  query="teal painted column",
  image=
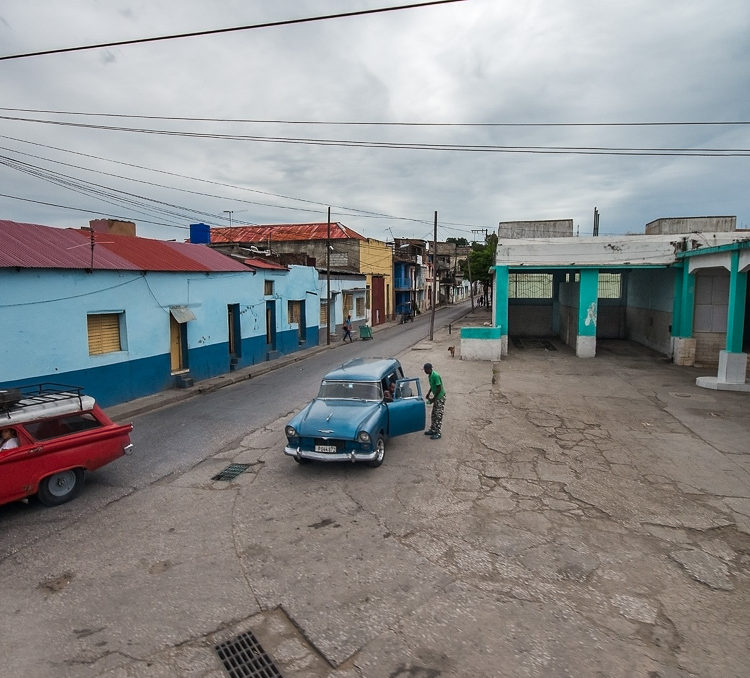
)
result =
(501, 299)
(588, 297)
(736, 311)
(683, 309)
(687, 302)
(588, 308)
(677, 300)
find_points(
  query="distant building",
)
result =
(675, 225)
(551, 228)
(349, 251)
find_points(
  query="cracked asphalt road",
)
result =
(578, 518)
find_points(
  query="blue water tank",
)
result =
(200, 234)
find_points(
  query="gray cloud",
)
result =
(477, 61)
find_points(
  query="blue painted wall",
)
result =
(43, 316)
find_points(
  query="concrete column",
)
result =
(557, 279)
(737, 300)
(732, 362)
(588, 306)
(500, 309)
(683, 343)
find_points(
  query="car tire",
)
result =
(60, 487)
(380, 447)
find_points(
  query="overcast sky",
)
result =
(477, 61)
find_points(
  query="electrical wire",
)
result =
(344, 210)
(386, 124)
(88, 211)
(415, 146)
(216, 31)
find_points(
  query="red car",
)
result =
(50, 435)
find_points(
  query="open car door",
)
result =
(406, 413)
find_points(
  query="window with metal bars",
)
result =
(104, 332)
(610, 286)
(530, 285)
(294, 311)
(323, 314)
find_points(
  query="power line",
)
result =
(386, 124)
(470, 148)
(344, 210)
(194, 34)
(86, 211)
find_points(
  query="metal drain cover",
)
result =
(231, 472)
(244, 657)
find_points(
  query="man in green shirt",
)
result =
(436, 396)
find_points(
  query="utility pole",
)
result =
(328, 281)
(596, 221)
(481, 230)
(471, 284)
(434, 275)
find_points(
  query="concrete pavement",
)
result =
(578, 518)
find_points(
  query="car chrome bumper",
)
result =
(128, 449)
(324, 456)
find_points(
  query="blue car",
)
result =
(359, 406)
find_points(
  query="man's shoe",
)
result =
(435, 436)
(429, 432)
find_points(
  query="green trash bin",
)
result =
(365, 332)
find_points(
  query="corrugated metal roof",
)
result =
(279, 232)
(35, 246)
(264, 263)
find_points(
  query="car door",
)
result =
(406, 413)
(16, 469)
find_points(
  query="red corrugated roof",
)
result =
(35, 246)
(279, 232)
(264, 263)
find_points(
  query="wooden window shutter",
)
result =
(104, 333)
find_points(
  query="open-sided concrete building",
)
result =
(682, 294)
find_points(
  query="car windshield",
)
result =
(351, 390)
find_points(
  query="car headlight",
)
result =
(290, 431)
(363, 437)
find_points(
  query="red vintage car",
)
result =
(51, 434)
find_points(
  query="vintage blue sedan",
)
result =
(359, 406)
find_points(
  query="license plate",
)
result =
(327, 449)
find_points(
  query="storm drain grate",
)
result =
(231, 472)
(244, 657)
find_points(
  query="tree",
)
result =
(481, 259)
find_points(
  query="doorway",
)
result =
(233, 328)
(270, 326)
(177, 346)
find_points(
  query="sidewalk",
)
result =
(580, 518)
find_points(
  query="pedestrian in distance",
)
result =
(348, 328)
(436, 396)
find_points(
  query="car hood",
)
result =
(334, 418)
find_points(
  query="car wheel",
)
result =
(60, 487)
(380, 448)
